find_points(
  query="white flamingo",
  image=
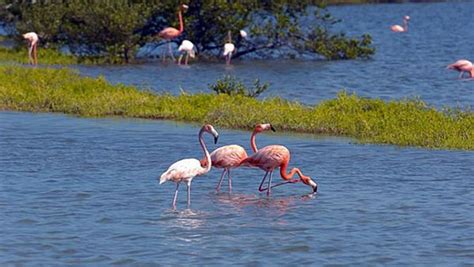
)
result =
(462, 66)
(229, 47)
(404, 28)
(32, 39)
(186, 169)
(186, 47)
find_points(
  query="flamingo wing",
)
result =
(228, 156)
(228, 48)
(169, 33)
(182, 170)
(268, 157)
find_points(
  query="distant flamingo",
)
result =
(170, 33)
(186, 169)
(462, 66)
(32, 39)
(230, 157)
(229, 48)
(274, 156)
(188, 48)
(398, 28)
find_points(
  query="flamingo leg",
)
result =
(287, 182)
(269, 189)
(261, 184)
(230, 181)
(30, 53)
(189, 194)
(171, 51)
(35, 54)
(175, 196)
(179, 59)
(218, 188)
(186, 60)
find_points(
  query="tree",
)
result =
(116, 29)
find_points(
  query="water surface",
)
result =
(85, 192)
(409, 64)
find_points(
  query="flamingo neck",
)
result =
(253, 145)
(207, 168)
(405, 25)
(181, 23)
(229, 36)
(289, 175)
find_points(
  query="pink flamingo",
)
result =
(32, 39)
(186, 169)
(231, 156)
(274, 156)
(462, 66)
(398, 28)
(170, 33)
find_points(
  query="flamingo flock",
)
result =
(233, 156)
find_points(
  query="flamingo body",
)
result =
(269, 157)
(188, 48)
(229, 48)
(169, 33)
(182, 171)
(404, 28)
(227, 158)
(462, 66)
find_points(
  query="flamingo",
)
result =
(188, 48)
(186, 169)
(231, 156)
(229, 47)
(32, 39)
(271, 157)
(398, 28)
(462, 66)
(170, 33)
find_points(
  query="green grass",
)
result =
(45, 56)
(402, 122)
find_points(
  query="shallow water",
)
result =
(405, 65)
(85, 192)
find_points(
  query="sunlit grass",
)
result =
(401, 122)
(45, 56)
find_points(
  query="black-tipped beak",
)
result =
(271, 127)
(215, 139)
(315, 189)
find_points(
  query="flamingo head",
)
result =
(210, 129)
(407, 18)
(183, 7)
(308, 181)
(243, 34)
(263, 127)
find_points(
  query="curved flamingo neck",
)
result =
(181, 23)
(253, 145)
(288, 176)
(207, 168)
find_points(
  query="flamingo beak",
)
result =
(215, 139)
(273, 129)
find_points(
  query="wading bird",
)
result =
(271, 157)
(186, 169)
(170, 33)
(398, 28)
(229, 47)
(32, 39)
(231, 156)
(462, 66)
(186, 47)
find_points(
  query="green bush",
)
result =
(231, 86)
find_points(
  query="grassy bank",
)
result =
(45, 57)
(406, 123)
